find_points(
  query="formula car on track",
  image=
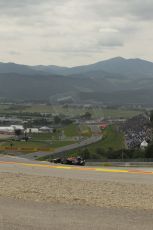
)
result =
(70, 161)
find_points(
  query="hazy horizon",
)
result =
(107, 59)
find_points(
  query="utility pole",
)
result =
(122, 155)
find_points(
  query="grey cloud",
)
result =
(132, 9)
(71, 26)
(7, 6)
(14, 53)
(18, 4)
(19, 9)
(111, 43)
(142, 10)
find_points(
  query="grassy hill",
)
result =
(111, 142)
(112, 139)
(114, 81)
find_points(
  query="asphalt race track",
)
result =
(18, 214)
(129, 175)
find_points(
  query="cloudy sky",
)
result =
(75, 32)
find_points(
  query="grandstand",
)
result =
(137, 130)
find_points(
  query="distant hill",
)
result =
(16, 68)
(118, 65)
(52, 69)
(114, 81)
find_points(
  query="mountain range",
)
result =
(114, 81)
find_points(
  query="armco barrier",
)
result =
(25, 149)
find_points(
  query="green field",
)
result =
(71, 130)
(44, 136)
(96, 112)
(112, 139)
(115, 113)
(43, 140)
(69, 111)
(38, 144)
(47, 140)
(29, 144)
(85, 131)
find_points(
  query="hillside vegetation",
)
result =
(114, 81)
(112, 139)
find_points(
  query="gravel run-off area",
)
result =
(74, 191)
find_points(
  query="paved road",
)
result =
(21, 215)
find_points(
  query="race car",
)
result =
(56, 160)
(70, 161)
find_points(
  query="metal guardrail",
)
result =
(128, 160)
(121, 164)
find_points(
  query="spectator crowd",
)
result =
(136, 130)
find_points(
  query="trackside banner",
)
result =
(23, 149)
